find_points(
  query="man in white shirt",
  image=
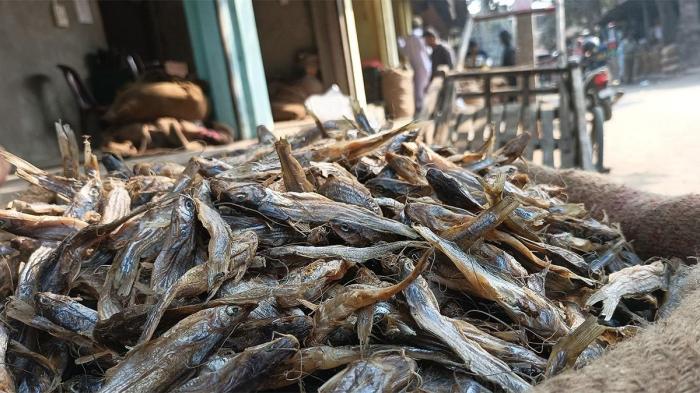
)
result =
(413, 47)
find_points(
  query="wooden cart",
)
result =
(554, 113)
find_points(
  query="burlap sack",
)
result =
(397, 89)
(657, 225)
(143, 102)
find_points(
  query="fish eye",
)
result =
(232, 310)
(189, 204)
(240, 197)
(345, 227)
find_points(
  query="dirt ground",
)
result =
(653, 140)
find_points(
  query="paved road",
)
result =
(653, 140)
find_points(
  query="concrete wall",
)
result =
(33, 92)
(284, 28)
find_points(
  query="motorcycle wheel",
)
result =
(607, 109)
(597, 138)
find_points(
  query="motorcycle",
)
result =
(596, 78)
(598, 90)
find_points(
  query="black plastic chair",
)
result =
(87, 104)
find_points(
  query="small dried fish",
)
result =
(388, 373)
(176, 256)
(244, 371)
(292, 172)
(425, 311)
(634, 280)
(350, 254)
(307, 207)
(568, 348)
(66, 312)
(7, 383)
(68, 146)
(117, 204)
(334, 311)
(155, 366)
(37, 208)
(40, 227)
(521, 303)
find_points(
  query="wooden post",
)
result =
(487, 97)
(402, 17)
(329, 41)
(464, 44)
(443, 117)
(565, 123)
(387, 31)
(210, 60)
(525, 53)
(247, 76)
(584, 142)
(561, 31)
(352, 51)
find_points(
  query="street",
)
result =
(653, 140)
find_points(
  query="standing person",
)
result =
(508, 59)
(476, 57)
(441, 54)
(416, 52)
(621, 48)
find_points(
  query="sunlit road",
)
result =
(653, 140)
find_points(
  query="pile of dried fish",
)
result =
(337, 260)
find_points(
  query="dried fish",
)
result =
(634, 280)
(39, 227)
(292, 172)
(244, 371)
(521, 303)
(425, 311)
(307, 207)
(388, 373)
(351, 254)
(288, 266)
(159, 363)
(175, 258)
(333, 311)
(7, 383)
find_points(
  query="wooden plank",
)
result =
(509, 91)
(431, 98)
(529, 123)
(565, 126)
(585, 156)
(210, 58)
(597, 137)
(567, 147)
(506, 71)
(444, 118)
(462, 128)
(479, 124)
(495, 125)
(512, 120)
(487, 96)
(245, 65)
(547, 142)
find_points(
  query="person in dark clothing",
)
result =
(476, 57)
(508, 59)
(442, 54)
